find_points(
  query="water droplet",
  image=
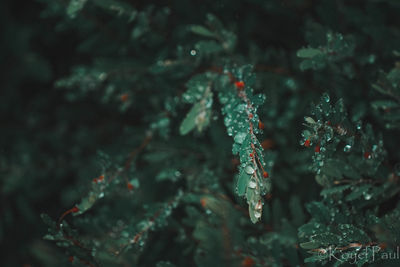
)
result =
(239, 138)
(252, 184)
(371, 58)
(101, 195)
(291, 84)
(223, 100)
(249, 169)
(102, 76)
(125, 234)
(193, 52)
(374, 148)
(230, 131)
(329, 135)
(359, 125)
(367, 196)
(227, 120)
(347, 148)
(326, 97)
(309, 120)
(258, 205)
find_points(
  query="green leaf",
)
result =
(380, 89)
(86, 203)
(384, 104)
(319, 211)
(315, 64)
(189, 123)
(74, 7)
(253, 197)
(198, 87)
(332, 169)
(47, 220)
(120, 7)
(165, 264)
(334, 190)
(310, 245)
(358, 192)
(308, 52)
(199, 90)
(242, 183)
(253, 217)
(316, 258)
(208, 47)
(200, 30)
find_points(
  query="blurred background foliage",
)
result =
(81, 77)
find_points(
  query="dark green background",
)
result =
(48, 144)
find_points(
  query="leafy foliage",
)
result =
(346, 214)
(388, 109)
(195, 111)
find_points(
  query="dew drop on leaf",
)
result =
(367, 196)
(347, 148)
(249, 169)
(230, 131)
(239, 137)
(252, 184)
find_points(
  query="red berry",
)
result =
(203, 202)
(367, 155)
(130, 186)
(317, 148)
(136, 238)
(95, 180)
(248, 262)
(75, 209)
(71, 259)
(251, 155)
(307, 143)
(124, 97)
(239, 85)
(382, 245)
(261, 125)
(101, 178)
(251, 116)
(265, 174)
